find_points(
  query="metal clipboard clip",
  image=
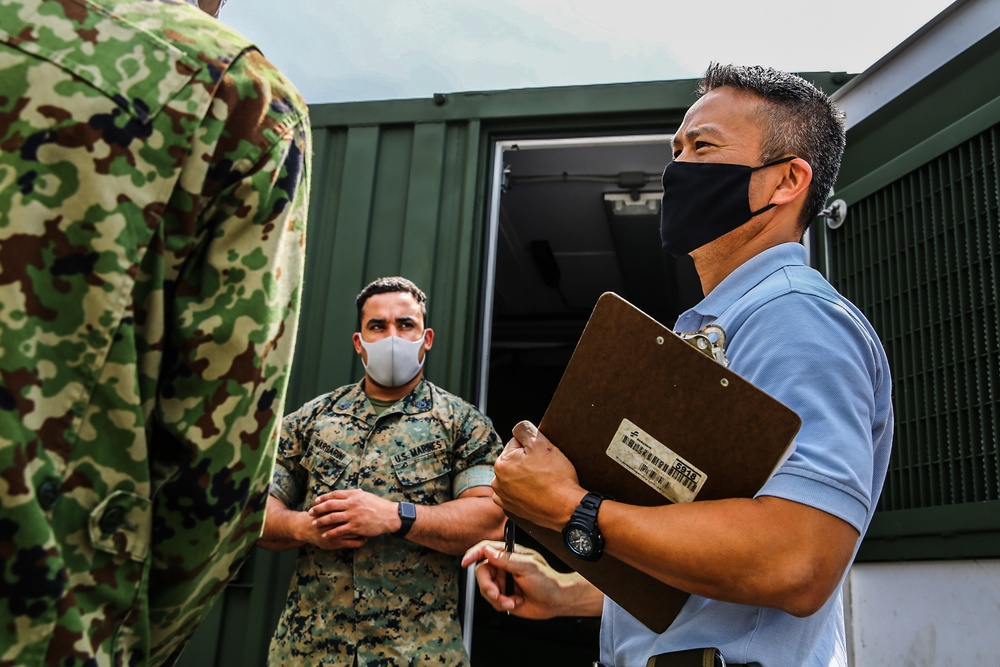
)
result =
(710, 340)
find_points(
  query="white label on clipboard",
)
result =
(655, 464)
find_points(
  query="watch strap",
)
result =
(590, 504)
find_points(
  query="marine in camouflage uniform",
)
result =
(394, 600)
(153, 192)
(383, 599)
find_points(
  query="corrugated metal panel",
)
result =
(920, 254)
(390, 200)
(922, 257)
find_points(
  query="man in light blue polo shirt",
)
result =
(753, 163)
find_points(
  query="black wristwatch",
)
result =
(580, 533)
(407, 514)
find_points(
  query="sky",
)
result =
(360, 50)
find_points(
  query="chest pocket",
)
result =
(326, 464)
(422, 463)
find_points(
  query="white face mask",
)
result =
(393, 361)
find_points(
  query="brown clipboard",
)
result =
(629, 366)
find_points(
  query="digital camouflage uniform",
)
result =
(392, 600)
(153, 192)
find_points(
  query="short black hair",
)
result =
(388, 285)
(796, 118)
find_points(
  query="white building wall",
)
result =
(924, 614)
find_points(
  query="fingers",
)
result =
(497, 500)
(490, 580)
(328, 506)
(493, 552)
(478, 552)
(338, 531)
(525, 431)
(495, 564)
(330, 509)
(330, 495)
(327, 514)
(486, 578)
(512, 449)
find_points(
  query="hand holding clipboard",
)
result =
(649, 419)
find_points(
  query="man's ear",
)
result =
(794, 182)
(428, 338)
(356, 338)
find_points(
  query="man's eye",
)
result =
(698, 145)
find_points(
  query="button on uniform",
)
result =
(48, 494)
(112, 519)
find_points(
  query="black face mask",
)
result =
(703, 201)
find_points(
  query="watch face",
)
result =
(407, 511)
(579, 541)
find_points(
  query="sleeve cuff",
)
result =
(801, 487)
(470, 477)
(283, 487)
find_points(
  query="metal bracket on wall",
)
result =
(835, 213)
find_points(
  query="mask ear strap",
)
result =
(771, 164)
(761, 210)
(778, 161)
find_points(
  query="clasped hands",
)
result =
(345, 519)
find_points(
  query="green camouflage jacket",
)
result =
(392, 602)
(153, 192)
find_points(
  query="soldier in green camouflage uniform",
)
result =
(153, 192)
(370, 589)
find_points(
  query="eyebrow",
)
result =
(699, 131)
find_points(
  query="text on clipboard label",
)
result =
(655, 464)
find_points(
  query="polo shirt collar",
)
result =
(734, 286)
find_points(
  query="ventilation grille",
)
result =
(922, 259)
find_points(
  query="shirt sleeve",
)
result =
(825, 370)
(476, 451)
(233, 312)
(288, 484)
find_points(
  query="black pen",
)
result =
(508, 543)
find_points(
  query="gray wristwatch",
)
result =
(407, 514)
